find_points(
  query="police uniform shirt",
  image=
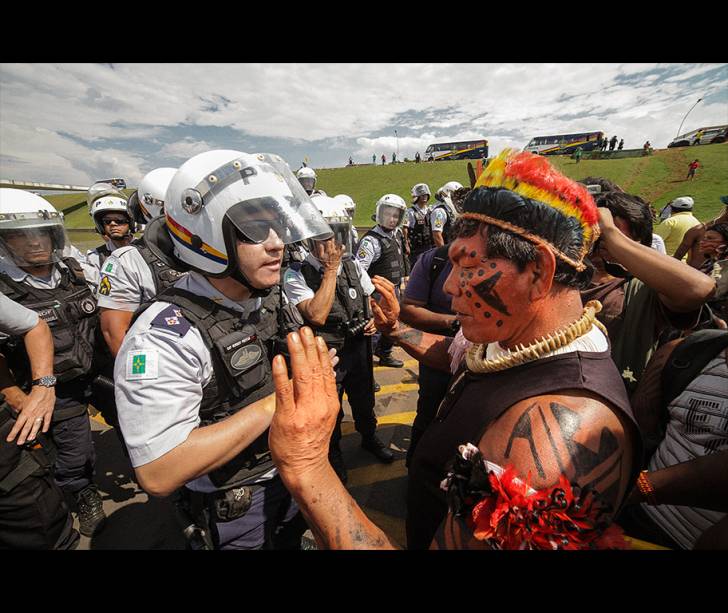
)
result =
(93, 260)
(159, 375)
(370, 250)
(412, 215)
(126, 280)
(15, 319)
(438, 219)
(297, 290)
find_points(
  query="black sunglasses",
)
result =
(107, 221)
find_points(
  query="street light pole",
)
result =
(396, 138)
(686, 116)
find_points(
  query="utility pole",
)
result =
(686, 116)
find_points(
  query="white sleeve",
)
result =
(365, 280)
(15, 319)
(368, 252)
(121, 286)
(158, 381)
(295, 287)
(438, 219)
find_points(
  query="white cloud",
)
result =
(305, 103)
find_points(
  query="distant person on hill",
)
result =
(621, 144)
(692, 167)
(577, 154)
(374, 158)
(351, 162)
(394, 158)
(605, 143)
(698, 136)
(384, 159)
(613, 143)
(417, 157)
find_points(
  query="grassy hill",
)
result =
(658, 179)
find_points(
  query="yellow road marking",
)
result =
(395, 388)
(100, 419)
(642, 545)
(405, 418)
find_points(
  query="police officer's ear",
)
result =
(541, 273)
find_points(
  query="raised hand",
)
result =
(386, 311)
(306, 407)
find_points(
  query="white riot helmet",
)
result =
(420, 189)
(390, 211)
(450, 187)
(31, 230)
(307, 177)
(219, 197)
(105, 198)
(338, 219)
(147, 202)
(347, 203)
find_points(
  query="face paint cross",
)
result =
(486, 290)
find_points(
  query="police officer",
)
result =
(417, 226)
(443, 214)
(331, 291)
(307, 177)
(33, 512)
(192, 377)
(425, 306)
(34, 273)
(112, 220)
(380, 253)
(134, 274)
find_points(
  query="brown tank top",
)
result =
(475, 400)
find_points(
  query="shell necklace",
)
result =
(477, 363)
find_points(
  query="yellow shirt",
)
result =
(674, 228)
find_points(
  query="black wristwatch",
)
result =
(47, 381)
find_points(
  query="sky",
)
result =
(78, 123)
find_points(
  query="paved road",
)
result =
(137, 521)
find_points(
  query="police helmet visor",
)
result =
(32, 239)
(342, 233)
(98, 190)
(390, 217)
(307, 183)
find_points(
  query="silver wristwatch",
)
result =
(47, 381)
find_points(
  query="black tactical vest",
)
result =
(163, 275)
(349, 307)
(104, 252)
(71, 314)
(391, 262)
(242, 351)
(420, 237)
(447, 228)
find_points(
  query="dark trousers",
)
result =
(273, 521)
(34, 515)
(74, 466)
(382, 346)
(433, 387)
(354, 376)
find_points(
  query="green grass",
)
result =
(658, 179)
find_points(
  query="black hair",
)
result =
(635, 211)
(722, 229)
(564, 233)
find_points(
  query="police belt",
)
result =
(221, 506)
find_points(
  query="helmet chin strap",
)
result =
(255, 292)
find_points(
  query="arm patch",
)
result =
(172, 320)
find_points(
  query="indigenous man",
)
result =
(537, 391)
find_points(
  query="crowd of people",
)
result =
(572, 367)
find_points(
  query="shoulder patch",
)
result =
(142, 364)
(104, 286)
(171, 319)
(109, 267)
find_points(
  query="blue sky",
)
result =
(75, 123)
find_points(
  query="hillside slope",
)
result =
(658, 179)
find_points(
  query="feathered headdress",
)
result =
(516, 180)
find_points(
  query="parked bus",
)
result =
(710, 135)
(458, 150)
(118, 183)
(563, 144)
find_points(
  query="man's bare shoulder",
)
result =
(572, 433)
